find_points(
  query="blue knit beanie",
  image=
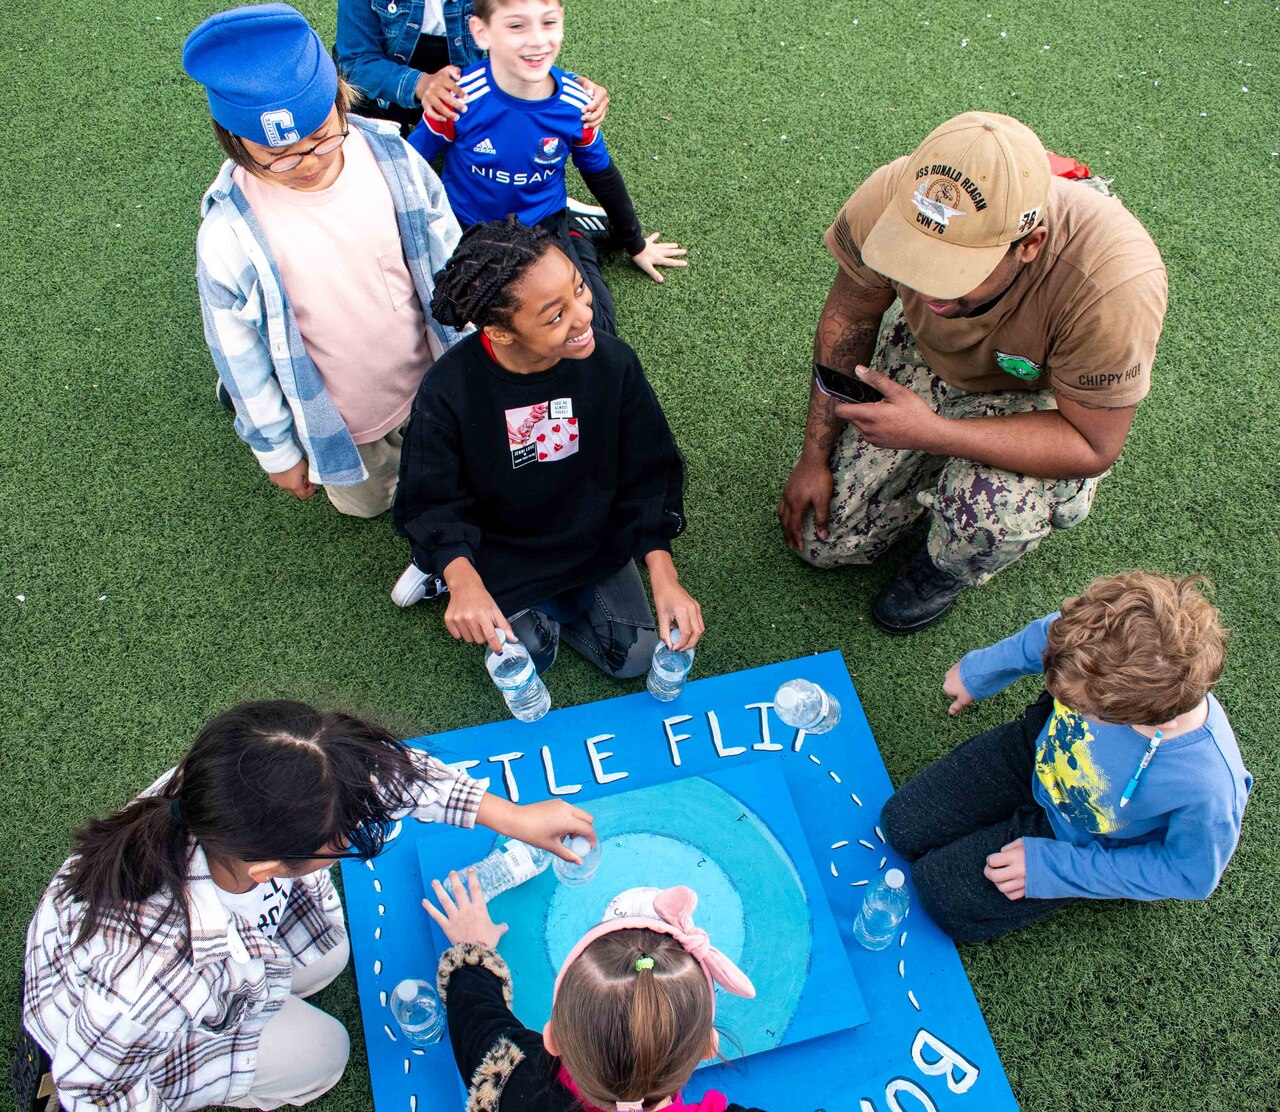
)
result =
(267, 73)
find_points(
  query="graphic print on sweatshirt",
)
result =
(1075, 782)
(542, 433)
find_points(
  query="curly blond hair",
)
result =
(1136, 649)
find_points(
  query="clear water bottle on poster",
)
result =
(884, 907)
(508, 864)
(514, 674)
(805, 706)
(574, 875)
(419, 1012)
(669, 669)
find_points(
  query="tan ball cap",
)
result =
(977, 183)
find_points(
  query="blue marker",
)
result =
(1152, 746)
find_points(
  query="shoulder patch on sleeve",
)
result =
(443, 128)
(589, 135)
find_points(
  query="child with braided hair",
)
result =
(538, 466)
(632, 1014)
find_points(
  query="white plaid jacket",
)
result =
(169, 1030)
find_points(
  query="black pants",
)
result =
(971, 803)
(583, 254)
(430, 56)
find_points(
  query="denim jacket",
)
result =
(376, 39)
(283, 411)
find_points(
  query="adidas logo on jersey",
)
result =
(485, 146)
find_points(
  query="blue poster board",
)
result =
(925, 1045)
(733, 836)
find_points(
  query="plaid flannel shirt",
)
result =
(283, 411)
(168, 1030)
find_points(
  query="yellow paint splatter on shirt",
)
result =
(1078, 787)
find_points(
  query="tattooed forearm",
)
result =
(822, 428)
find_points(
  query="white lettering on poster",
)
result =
(946, 1063)
(549, 769)
(713, 722)
(765, 744)
(598, 759)
(508, 777)
(674, 739)
(895, 1088)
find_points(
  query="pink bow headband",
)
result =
(674, 908)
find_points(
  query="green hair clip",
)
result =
(643, 964)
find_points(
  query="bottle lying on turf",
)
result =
(508, 864)
(669, 670)
(805, 706)
(515, 676)
(883, 909)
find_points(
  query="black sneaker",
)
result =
(224, 397)
(590, 222)
(32, 1084)
(916, 597)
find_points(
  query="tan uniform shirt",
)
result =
(1082, 319)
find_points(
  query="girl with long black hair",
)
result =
(167, 962)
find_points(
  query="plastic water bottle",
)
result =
(805, 706)
(418, 1011)
(574, 875)
(669, 670)
(882, 911)
(515, 676)
(509, 863)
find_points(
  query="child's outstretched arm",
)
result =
(604, 179)
(981, 673)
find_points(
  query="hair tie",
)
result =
(175, 811)
(643, 964)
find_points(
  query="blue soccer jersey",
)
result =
(505, 155)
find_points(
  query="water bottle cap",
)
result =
(576, 843)
(502, 636)
(406, 990)
(786, 697)
(894, 878)
(675, 636)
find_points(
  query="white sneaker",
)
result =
(415, 584)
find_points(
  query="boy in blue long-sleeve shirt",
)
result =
(1122, 781)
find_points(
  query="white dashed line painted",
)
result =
(814, 759)
(382, 997)
(902, 968)
(856, 883)
(377, 967)
(855, 799)
(833, 869)
(865, 844)
(377, 885)
(883, 860)
(879, 834)
(902, 939)
(834, 777)
(839, 845)
(390, 1033)
(406, 1067)
(914, 1002)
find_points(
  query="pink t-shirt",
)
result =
(339, 254)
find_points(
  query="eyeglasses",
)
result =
(287, 162)
(366, 842)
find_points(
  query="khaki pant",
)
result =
(375, 495)
(981, 519)
(303, 1051)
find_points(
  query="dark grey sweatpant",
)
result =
(609, 622)
(971, 803)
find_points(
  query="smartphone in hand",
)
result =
(845, 388)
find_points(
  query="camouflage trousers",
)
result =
(981, 518)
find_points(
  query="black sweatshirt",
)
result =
(544, 481)
(504, 1064)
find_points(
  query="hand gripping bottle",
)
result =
(515, 676)
(669, 670)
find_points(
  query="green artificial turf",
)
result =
(150, 576)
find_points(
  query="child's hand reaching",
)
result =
(954, 689)
(657, 254)
(465, 915)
